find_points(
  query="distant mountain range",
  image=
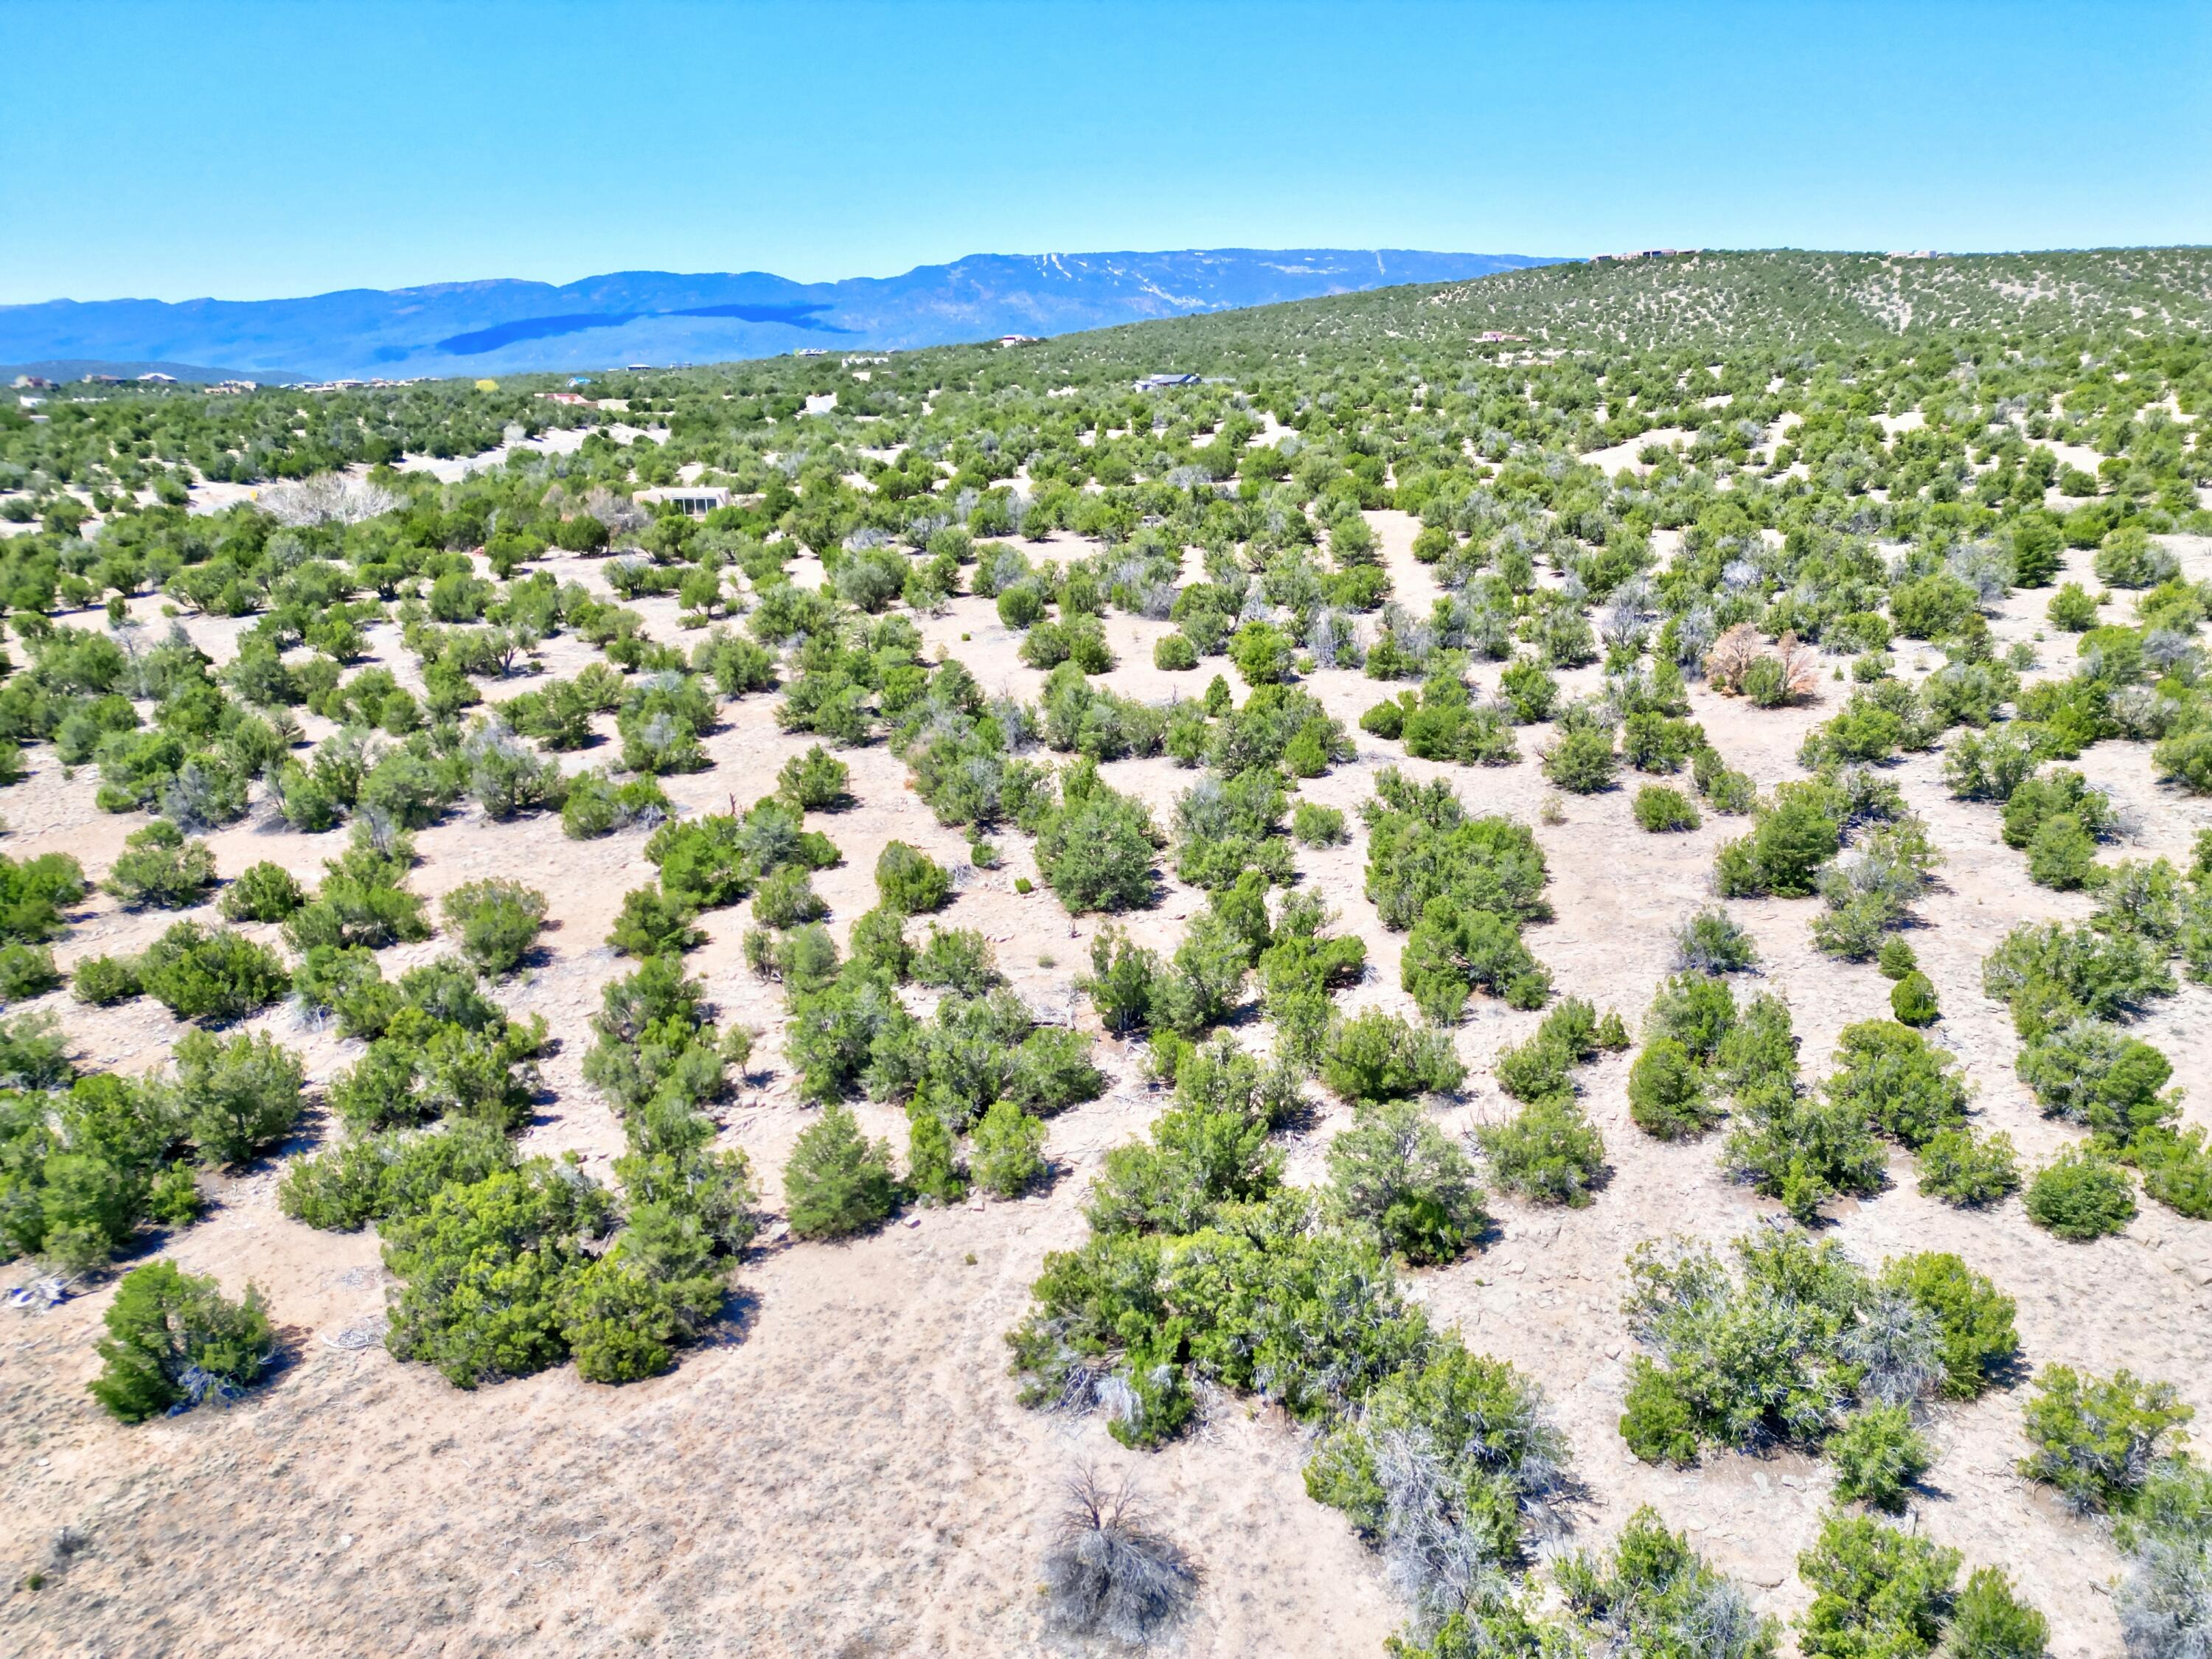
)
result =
(506, 326)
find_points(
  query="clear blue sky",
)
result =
(253, 150)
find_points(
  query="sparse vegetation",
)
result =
(1843, 473)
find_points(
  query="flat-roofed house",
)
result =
(694, 501)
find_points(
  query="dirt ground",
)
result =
(845, 1469)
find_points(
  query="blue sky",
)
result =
(170, 151)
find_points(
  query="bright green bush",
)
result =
(482, 1269)
(2081, 1196)
(1989, 1621)
(497, 920)
(1962, 1168)
(368, 1178)
(1892, 1076)
(1697, 1011)
(2073, 609)
(362, 900)
(1660, 808)
(1175, 653)
(1877, 1593)
(1877, 1454)
(651, 924)
(1547, 1153)
(1262, 653)
(1657, 1421)
(1314, 825)
(1398, 1172)
(33, 894)
(84, 1166)
(2050, 975)
(1098, 848)
(238, 1098)
(1792, 836)
(159, 869)
(933, 1163)
(837, 1181)
(1803, 1148)
(1912, 1000)
(1666, 1094)
(957, 959)
(27, 971)
(1452, 951)
(2096, 1439)
(1008, 1157)
(816, 782)
(1376, 1057)
(174, 1340)
(211, 975)
(2090, 1072)
(1581, 762)
(34, 1054)
(263, 892)
(910, 882)
(2062, 854)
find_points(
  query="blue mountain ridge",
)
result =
(512, 326)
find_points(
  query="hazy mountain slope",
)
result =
(500, 326)
(1755, 298)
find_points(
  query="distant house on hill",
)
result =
(694, 501)
(33, 382)
(1020, 339)
(576, 398)
(1157, 382)
(812, 351)
(155, 377)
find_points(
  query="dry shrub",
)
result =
(1733, 652)
(327, 498)
(1801, 666)
(1109, 1573)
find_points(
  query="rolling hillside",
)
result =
(1748, 299)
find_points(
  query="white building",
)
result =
(694, 501)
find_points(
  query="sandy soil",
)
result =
(1612, 459)
(845, 1469)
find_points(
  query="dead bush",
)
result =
(1109, 1573)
